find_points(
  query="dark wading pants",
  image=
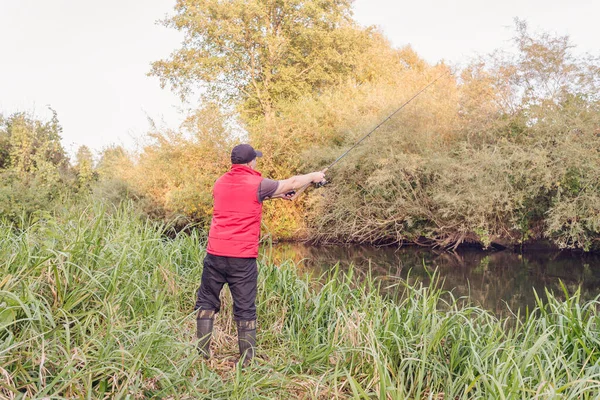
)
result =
(241, 275)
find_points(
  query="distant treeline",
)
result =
(505, 150)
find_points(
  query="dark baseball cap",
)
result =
(243, 154)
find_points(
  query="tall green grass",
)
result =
(97, 303)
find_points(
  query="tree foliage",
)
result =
(255, 53)
(84, 168)
(33, 164)
(30, 145)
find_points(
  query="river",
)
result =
(495, 281)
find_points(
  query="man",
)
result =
(233, 245)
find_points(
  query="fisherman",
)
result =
(233, 245)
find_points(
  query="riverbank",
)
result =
(98, 303)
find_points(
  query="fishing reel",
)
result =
(320, 184)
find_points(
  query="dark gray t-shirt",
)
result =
(267, 188)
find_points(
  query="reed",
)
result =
(97, 303)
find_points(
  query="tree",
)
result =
(33, 165)
(31, 146)
(543, 74)
(253, 53)
(84, 167)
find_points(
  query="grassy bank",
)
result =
(98, 304)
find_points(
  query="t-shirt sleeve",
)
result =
(267, 188)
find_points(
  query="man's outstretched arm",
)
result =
(287, 187)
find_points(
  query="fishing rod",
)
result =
(297, 193)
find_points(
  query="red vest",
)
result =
(235, 227)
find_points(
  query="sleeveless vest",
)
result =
(235, 227)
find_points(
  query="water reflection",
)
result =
(492, 280)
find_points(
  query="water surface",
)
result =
(492, 280)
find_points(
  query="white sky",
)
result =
(88, 59)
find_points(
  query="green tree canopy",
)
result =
(29, 145)
(255, 52)
(33, 165)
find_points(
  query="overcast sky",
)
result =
(88, 59)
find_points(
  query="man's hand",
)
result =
(319, 177)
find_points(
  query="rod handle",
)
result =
(299, 191)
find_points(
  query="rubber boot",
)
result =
(246, 341)
(204, 328)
